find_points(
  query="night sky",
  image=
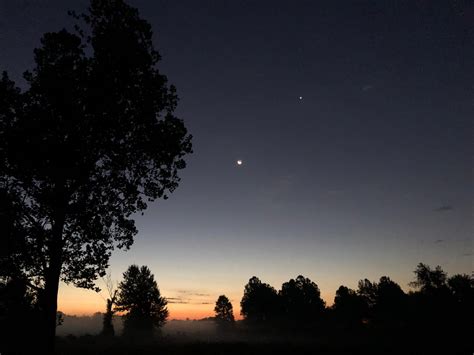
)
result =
(353, 120)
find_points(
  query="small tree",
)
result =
(108, 326)
(139, 296)
(224, 310)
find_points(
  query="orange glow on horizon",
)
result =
(80, 302)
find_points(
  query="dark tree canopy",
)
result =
(462, 288)
(349, 307)
(390, 306)
(301, 300)
(260, 302)
(85, 146)
(139, 297)
(224, 310)
(428, 280)
(368, 291)
(382, 300)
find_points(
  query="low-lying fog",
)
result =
(75, 325)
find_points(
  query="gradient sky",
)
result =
(366, 175)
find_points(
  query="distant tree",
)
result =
(368, 291)
(462, 310)
(83, 148)
(108, 327)
(224, 311)
(384, 301)
(139, 297)
(260, 302)
(428, 280)
(349, 307)
(462, 288)
(431, 305)
(390, 304)
(301, 300)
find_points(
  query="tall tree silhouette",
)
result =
(139, 296)
(87, 145)
(301, 300)
(224, 312)
(260, 302)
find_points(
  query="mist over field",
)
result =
(92, 325)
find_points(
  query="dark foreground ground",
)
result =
(117, 346)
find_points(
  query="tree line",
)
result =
(436, 304)
(84, 146)
(435, 300)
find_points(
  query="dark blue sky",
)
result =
(368, 174)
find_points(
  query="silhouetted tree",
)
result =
(349, 307)
(462, 291)
(107, 325)
(384, 302)
(368, 291)
(390, 303)
(260, 302)
(224, 312)
(139, 296)
(83, 148)
(462, 288)
(301, 300)
(428, 280)
(431, 308)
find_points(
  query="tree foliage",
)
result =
(224, 310)
(428, 280)
(301, 300)
(260, 301)
(139, 297)
(83, 148)
(382, 300)
(349, 308)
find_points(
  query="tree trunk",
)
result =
(51, 307)
(52, 276)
